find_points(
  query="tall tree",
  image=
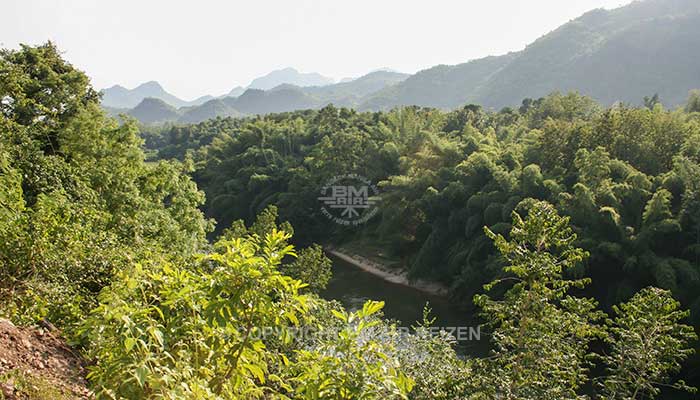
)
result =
(540, 331)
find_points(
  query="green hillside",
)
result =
(623, 55)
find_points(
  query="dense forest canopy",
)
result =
(628, 178)
(565, 209)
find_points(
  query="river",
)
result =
(353, 287)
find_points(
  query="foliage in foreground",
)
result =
(77, 200)
(543, 332)
(232, 325)
(647, 345)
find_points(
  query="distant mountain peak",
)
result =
(152, 85)
(384, 69)
(291, 76)
(153, 101)
(152, 110)
(118, 96)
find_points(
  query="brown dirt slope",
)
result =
(35, 363)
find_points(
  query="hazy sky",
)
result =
(208, 47)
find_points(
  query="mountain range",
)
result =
(120, 97)
(647, 47)
(291, 76)
(282, 97)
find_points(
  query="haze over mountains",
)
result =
(290, 91)
(119, 97)
(647, 47)
(291, 76)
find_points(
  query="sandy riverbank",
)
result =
(389, 274)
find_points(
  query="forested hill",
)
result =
(647, 47)
(627, 177)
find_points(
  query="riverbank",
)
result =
(389, 274)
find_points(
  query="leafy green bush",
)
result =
(162, 330)
(225, 327)
(77, 200)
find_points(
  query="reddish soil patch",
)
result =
(35, 363)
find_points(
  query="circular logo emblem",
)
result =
(349, 199)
